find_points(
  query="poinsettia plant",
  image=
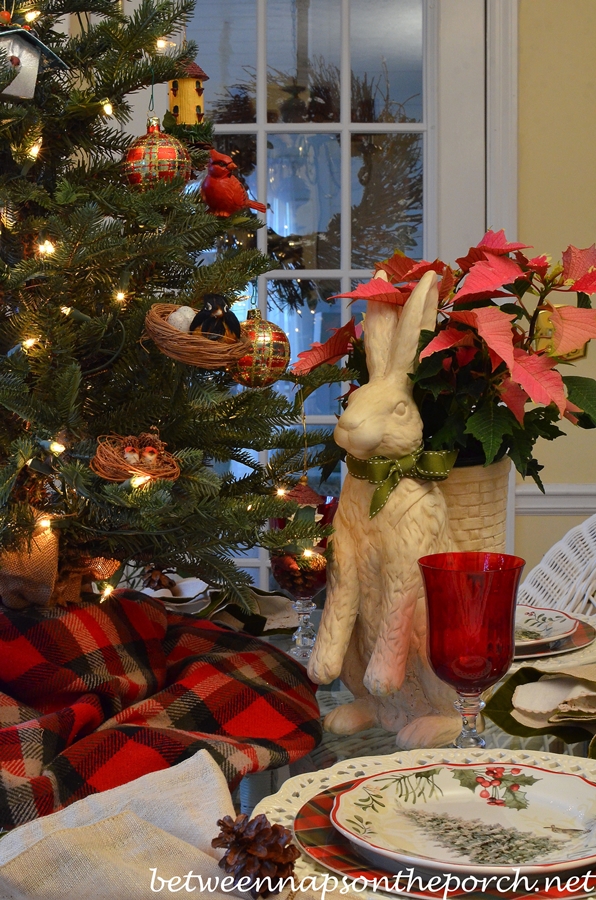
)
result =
(488, 380)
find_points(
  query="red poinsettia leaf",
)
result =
(537, 376)
(587, 283)
(464, 355)
(572, 327)
(481, 295)
(496, 242)
(494, 327)
(376, 289)
(473, 255)
(449, 337)
(539, 264)
(488, 275)
(421, 268)
(446, 284)
(495, 359)
(514, 397)
(396, 266)
(578, 262)
(329, 352)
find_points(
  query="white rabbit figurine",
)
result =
(373, 628)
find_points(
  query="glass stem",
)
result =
(469, 707)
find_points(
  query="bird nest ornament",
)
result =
(119, 458)
(192, 348)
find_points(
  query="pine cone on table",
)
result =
(256, 850)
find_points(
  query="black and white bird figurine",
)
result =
(216, 320)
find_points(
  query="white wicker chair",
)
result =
(566, 576)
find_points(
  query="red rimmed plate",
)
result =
(319, 840)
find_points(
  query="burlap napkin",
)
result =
(566, 696)
(130, 842)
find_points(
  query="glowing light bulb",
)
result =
(307, 553)
(32, 15)
(281, 492)
(45, 523)
(161, 43)
(57, 448)
(120, 296)
(139, 480)
(33, 151)
(108, 108)
(66, 310)
(29, 343)
(249, 507)
(106, 592)
(47, 248)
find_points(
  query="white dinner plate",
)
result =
(472, 818)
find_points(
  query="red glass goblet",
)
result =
(471, 622)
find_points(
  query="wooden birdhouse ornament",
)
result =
(185, 96)
(25, 52)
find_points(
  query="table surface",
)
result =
(335, 748)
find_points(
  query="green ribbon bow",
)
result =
(427, 465)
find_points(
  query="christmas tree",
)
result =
(84, 256)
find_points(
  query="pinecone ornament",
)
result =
(157, 579)
(256, 850)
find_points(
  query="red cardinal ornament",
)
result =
(221, 190)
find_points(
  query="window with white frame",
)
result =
(361, 124)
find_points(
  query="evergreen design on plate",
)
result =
(361, 826)
(408, 789)
(498, 787)
(535, 625)
(478, 842)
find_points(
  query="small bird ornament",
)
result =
(216, 320)
(223, 193)
(149, 457)
(131, 455)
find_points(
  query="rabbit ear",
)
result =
(380, 326)
(420, 312)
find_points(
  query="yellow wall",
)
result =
(557, 197)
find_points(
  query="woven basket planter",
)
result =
(477, 502)
(192, 349)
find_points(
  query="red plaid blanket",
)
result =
(98, 694)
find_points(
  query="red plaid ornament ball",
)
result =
(156, 156)
(269, 356)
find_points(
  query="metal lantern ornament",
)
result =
(156, 157)
(269, 355)
(25, 52)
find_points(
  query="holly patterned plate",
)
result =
(471, 818)
(535, 625)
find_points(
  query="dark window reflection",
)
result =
(303, 199)
(386, 197)
(303, 54)
(386, 59)
(226, 33)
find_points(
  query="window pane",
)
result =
(304, 200)
(303, 55)
(311, 319)
(386, 197)
(226, 33)
(386, 56)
